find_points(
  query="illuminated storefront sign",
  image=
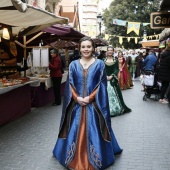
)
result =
(160, 20)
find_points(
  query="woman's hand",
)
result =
(109, 78)
(86, 99)
(83, 101)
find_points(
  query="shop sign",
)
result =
(160, 20)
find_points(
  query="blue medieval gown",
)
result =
(86, 140)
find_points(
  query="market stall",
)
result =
(42, 92)
(15, 96)
(15, 100)
(150, 43)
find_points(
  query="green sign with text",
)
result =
(160, 20)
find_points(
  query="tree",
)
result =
(129, 10)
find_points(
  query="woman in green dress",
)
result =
(116, 102)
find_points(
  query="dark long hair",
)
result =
(86, 39)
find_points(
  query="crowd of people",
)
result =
(137, 63)
(132, 64)
(93, 94)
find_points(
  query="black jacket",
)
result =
(164, 67)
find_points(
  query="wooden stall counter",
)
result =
(42, 93)
(14, 101)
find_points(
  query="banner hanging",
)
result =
(119, 22)
(133, 26)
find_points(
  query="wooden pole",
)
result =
(34, 37)
(17, 42)
(25, 52)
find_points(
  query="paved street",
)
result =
(27, 142)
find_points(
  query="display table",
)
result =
(15, 103)
(10, 88)
(42, 93)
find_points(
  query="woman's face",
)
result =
(110, 51)
(53, 55)
(86, 49)
(120, 55)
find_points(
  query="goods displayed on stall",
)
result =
(15, 86)
(7, 65)
(11, 82)
(9, 75)
(38, 63)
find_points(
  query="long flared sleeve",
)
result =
(92, 96)
(116, 69)
(74, 94)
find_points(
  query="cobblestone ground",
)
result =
(27, 142)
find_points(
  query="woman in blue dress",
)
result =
(86, 140)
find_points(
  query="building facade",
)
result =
(82, 14)
(88, 22)
(48, 5)
(70, 10)
(64, 8)
(88, 16)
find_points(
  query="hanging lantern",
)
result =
(5, 34)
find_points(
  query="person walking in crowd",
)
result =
(150, 61)
(139, 59)
(128, 59)
(55, 66)
(74, 55)
(67, 56)
(149, 66)
(164, 73)
(132, 67)
(101, 55)
(85, 132)
(124, 77)
(115, 54)
(116, 102)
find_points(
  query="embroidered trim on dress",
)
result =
(70, 153)
(95, 157)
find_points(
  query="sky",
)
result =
(104, 4)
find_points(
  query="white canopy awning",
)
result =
(32, 17)
(164, 34)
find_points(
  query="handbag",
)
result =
(148, 80)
